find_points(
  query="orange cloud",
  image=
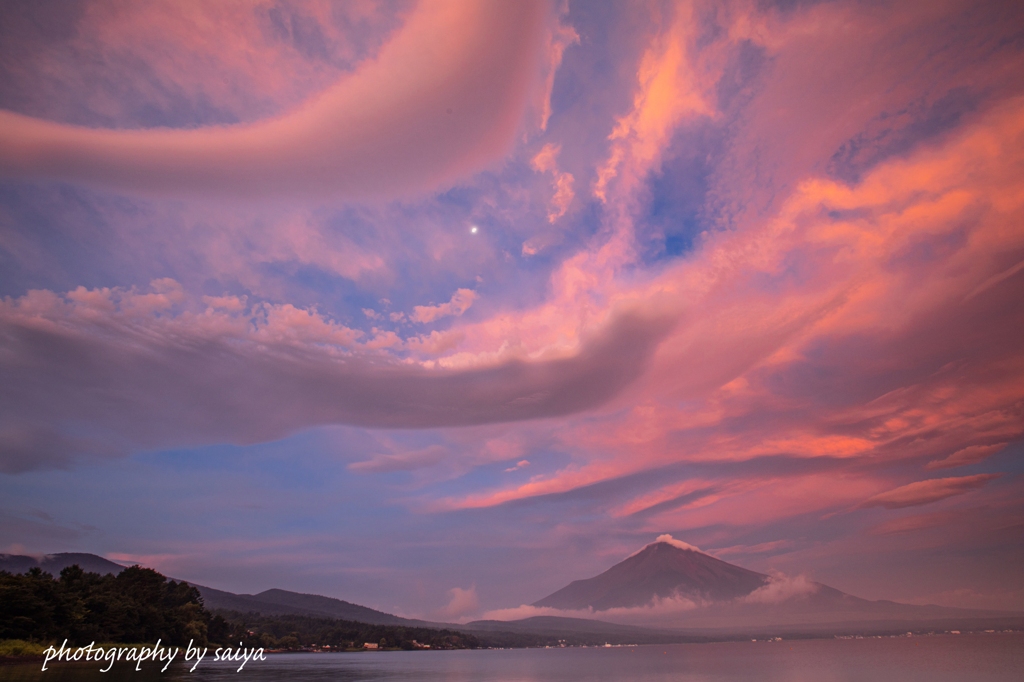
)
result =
(842, 282)
(670, 89)
(546, 161)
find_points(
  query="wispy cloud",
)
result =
(926, 492)
(969, 455)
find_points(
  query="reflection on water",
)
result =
(981, 658)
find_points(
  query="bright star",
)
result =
(473, 229)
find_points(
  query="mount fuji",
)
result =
(670, 583)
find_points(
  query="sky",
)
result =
(436, 307)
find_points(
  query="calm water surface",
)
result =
(980, 658)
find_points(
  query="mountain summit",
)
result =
(665, 568)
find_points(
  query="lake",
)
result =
(936, 658)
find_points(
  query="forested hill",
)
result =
(139, 605)
(136, 605)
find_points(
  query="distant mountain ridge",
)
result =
(55, 563)
(273, 602)
(283, 602)
(731, 602)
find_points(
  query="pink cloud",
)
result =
(863, 303)
(259, 373)
(401, 462)
(969, 455)
(976, 598)
(460, 302)
(462, 603)
(754, 549)
(758, 501)
(926, 492)
(659, 608)
(818, 59)
(442, 99)
(234, 304)
(300, 240)
(560, 37)
(916, 522)
(780, 588)
(258, 67)
(435, 343)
